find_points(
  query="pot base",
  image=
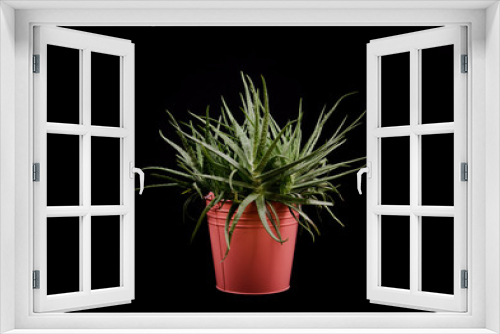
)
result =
(252, 293)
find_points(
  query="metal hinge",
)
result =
(464, 171)
(36, 172)
(465, 64)
(464, 279)
(36, 279)
(36, 63)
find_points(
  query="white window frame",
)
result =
(414, 44)
(123, 50)
(16, 216)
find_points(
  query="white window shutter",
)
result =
(414, 297)
(85, 298)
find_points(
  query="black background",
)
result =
(188, 68)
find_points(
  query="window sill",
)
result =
(251, 331)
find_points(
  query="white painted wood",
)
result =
(86, 167)
(128, 186)
(40, 156)
(460, 155)
(76, 129)
(254, 331)
(87, 43)
(407, 210)
(248, 4)
(471, 322)
(81, 211)
(7, 167)
(492, 163)
(413, 43)
(85, 274)
(414, 169)
(102, 131)
(417, 129)
(373, 194)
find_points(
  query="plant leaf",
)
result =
(241, 208)
(270, 150)
(230, 214)
(261, 210)
(203, 214)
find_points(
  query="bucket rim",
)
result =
(223, 202)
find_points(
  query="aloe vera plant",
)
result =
(257, 161)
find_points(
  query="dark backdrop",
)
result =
(188, 68)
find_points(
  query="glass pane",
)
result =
(63, 170)
(437, 254)
(63, 255)
(395, 89)
(63, 85)
(105, 248)
(395, 170)
(395, 257)
(437, 84)
(106, 171)
(105, 89)
(437, 169)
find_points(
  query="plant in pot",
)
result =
(255, 177)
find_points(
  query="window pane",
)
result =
(105, 248)
(63, 255)
(437, 84)
(63, 85)
(105, 91)
(395, 257)
(63, 170)
(437, 169)
(395, 89)
(395, 170)
(106, 171)
(437, 254)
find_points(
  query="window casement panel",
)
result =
(70, 235)
(405, 238)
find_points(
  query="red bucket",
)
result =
(256, 263)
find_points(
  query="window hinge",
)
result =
(464, 279)
(36, 279)
(36, 63)
(36, 172)
(464, 171)
(465, 64)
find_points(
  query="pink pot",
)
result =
(256, 263)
